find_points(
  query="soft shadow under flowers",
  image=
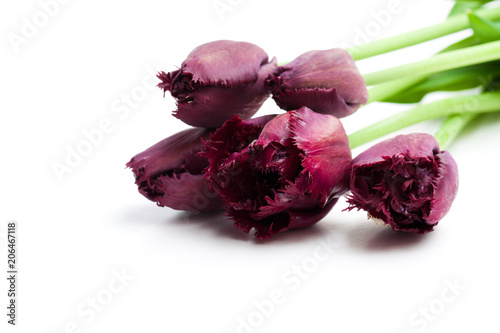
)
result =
(369, 237)
(221, 225)
(363, 235)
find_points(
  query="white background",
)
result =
(196, 273)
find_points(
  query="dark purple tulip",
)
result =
(405, 182)
(218, 80)
(286, 175)
(170, 173)
(325, 81)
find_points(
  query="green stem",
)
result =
(440, 62)
(485, 102)
(451, 25)
(451, 127)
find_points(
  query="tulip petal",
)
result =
(232, 137)
(326, 81)
(169, 153)
(446, 188)
(305, 218)
(327, 157)
(170, 173)
(184, 191)
(211, 106)
(321, 100)
(280, 221)
(225, 63)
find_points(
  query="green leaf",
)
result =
(461, 6)
(484, 30)
(469, 41)
(485, 75)
(493, 84)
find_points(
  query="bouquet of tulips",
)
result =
(286, 171)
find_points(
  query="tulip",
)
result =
(405, 182)
(286, 175)
(218, 80)
(325, 81)
(170, 173)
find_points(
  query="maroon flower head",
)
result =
(325, 81)
(286, 175)
(170, 173)
(218, 80)
(405, 182)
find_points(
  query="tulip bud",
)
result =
(405, 182)
(170, 173)
(325, 81)
(286, 175)
(218, 80)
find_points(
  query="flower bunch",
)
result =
(270, 173)
(287, 170)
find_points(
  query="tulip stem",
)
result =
(453, 24)
(451, 127)
(485, 102)
(440, 62)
